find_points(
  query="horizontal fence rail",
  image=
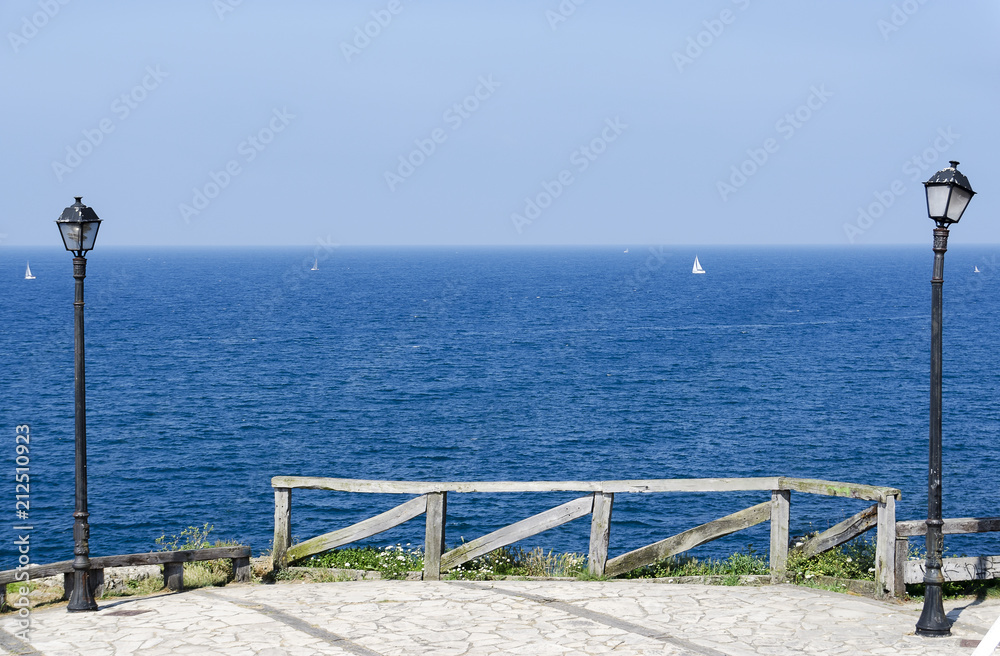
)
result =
(597, 503)
(172, 561)
(974, 568)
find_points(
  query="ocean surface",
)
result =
(210, 371)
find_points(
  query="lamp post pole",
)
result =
(933, 621)
(78, 225)
(948, 194)
(81, 599)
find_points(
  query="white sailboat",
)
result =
(315, 265)
(697, 266)
(977, 270)
(27, 272)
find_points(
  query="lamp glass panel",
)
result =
(79, 236)
(88, 235)
(959, 201)
(71, 235)
(937, 200)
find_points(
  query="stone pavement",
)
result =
(372, 618)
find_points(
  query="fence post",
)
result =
(902, 554)
(282, 527)
(173, 576)
(241, 570)
(780, 506)
(600, 532)
(885, 548)
(437, 509)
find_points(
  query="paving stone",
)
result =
(540, 618)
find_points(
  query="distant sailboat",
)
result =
(626, 250)
(27, 273)
(977, 270)
(697, 266)
(315, 265)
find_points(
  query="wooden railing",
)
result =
(597, 503)
(954, 569)
(172, 561)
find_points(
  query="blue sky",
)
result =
(227, 122)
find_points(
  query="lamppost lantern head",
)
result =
(78, 225)
(948, 194)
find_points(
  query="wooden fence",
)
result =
(953, 569)
(172, 561)
(597, 502)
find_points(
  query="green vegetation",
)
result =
(202, 573)
(959, 589)
(731, 568)
(393, 562)
(517, 562)
(852, 560)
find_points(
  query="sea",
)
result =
(209, 371)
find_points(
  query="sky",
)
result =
(523, 122)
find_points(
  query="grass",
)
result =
(395, 561)
(731, 568)
(518, 562)
(201, 573)
(852, 560)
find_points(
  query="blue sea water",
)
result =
(210, 371)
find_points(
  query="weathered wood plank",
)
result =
(811, 486)
(841, 532)
(363, 529)
(124, 560)
(518, 531)
(282, 527)
(600, 532)
(914, 527)
(838, 489)
(689, 539)
(885, 547)
(434, 533)
(956, 569)
(610, 487)
(902, 553)
(780, 508)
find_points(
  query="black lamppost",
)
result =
(948, 194)
(78, 225)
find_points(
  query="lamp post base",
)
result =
(933, 622)
(81, 599)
